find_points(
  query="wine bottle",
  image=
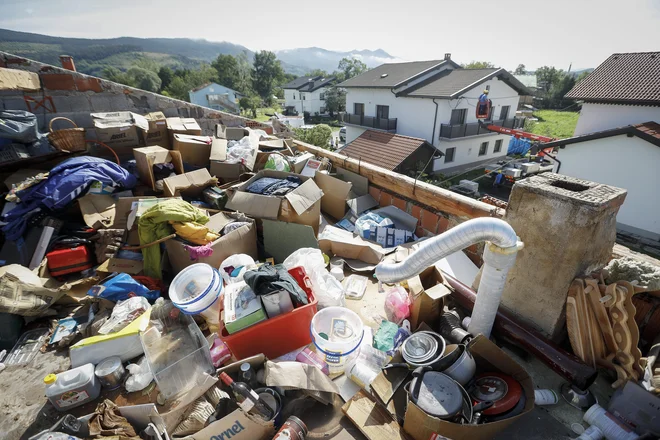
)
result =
(247, 398)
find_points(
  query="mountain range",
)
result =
(93, 55)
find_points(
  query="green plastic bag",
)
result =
(384, 338)
(278, 163)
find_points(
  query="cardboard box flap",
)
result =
(193, 139)
(189, 181)
(140, 121)
(333, 186)
(131, 267)
(275, 144)
(360, 204)
(255, 205)
(343, 244)
(218, 221)
(304, 197)
(98, 210)
(360, 183)
(281, 239)
(401, 219)
(123, 208)
(218, 149)
(14, 79)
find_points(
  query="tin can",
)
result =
(292, 429)
(545, 397)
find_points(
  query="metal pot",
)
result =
(423, 349)
(110, 372)
(463, 369)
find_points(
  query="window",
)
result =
(458, 116)
(358, 108)
(322, 109)
(504, 112)
(498, 146)
(449, 154)
(483, 149)
(322, 96)
(294, 96)
(383, 111)
(303, 97)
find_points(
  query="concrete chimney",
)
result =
(447, 56)
(67, 62)
(568, 226)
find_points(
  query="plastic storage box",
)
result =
(273, 337)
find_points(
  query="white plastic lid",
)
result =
(191, 282)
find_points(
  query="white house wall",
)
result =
(466, 152)
(312, 102)
(624, 162)
(599, 117)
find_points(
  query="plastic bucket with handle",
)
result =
(337, 333)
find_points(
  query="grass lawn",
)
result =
(262, 113)
(553, 123)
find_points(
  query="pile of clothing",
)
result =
(270, 186)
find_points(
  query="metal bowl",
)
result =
(434, 357)
(419, 348)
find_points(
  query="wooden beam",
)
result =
(434, 197)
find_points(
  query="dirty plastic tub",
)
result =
(337, 333)
(196, 291)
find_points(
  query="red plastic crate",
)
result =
(72, 260)
(273, 337)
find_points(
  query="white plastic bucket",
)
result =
(337, 333)
(196, 291)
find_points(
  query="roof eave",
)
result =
(629, 130)
(591, 100)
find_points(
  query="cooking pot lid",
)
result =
(420, 347)
(439, 395)
(499, 388)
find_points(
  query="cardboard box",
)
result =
(157, 133)
(336, 193)
(182, 126)
(239, 241)
(229, 172)
(302, 205)
(427, 294)
(147, 157)
(122, 130)
(189, 184)
(195, 150)
(230, 133)
(489, 357)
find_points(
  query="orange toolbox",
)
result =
(275, 336)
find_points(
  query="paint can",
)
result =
(292, 429)
(545, 397)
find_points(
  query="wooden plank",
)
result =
(374, 421)
(432, 196)
(575, 331)
(600, 312)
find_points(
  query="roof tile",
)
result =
(386, 150)
(395, 73)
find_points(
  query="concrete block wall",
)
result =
(74, 96)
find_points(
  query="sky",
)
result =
(505, 32)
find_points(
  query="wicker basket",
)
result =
(68, 140)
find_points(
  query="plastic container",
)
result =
(273, 337)
(609, 425)
(337, 333)
(356, 286)
(177, 352)
(277, 303)
(591, 433)
(196, 291)
(72, 388)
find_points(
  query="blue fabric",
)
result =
(272, 186)
(66, 182)
(518, 146)
(499, 178)
(121, 287)
(483, 98)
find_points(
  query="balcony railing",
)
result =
(448, 131)
(369, 121)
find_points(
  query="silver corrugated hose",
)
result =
(499, 257)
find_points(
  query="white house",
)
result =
(217, 97)
(624, 90)
(626, 157)
(435, 101)
(307, 94)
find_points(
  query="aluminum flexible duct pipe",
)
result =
(499, 256)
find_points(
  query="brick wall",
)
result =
(74, 95)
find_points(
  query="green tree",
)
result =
(335, 100)
(166, 75)
(227, 68)
(351, 67)
(250, 103)
(266, 72)
(116, 75)
(559, 89)
(582, 76)
(318, 135)
(244, 80)
(144, 79)
(318, 72)
(178, 89)
(520, 70)
(546, 76)
(478, 65)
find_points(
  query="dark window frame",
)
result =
(498, 146)
(379, 111)
(461, 119)
(508, 110)
(483, 147)
(449, 158)
(355, 111)
(322, 96)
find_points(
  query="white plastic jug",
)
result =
(72, 388)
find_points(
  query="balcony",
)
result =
(448, 131)
(369, 122)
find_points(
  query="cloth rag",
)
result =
(154, 223)
(270, 186)
(107, 422)
(268, 279)
(194, 232)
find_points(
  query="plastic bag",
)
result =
(243, 150)
(364, 223)
(366, 366)
(234, 267)
(120, 287)
(18, 125)
(397, 305)
(124, 313)
(402, 334)
(140, 376)
(327, 290)
(277, 162)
